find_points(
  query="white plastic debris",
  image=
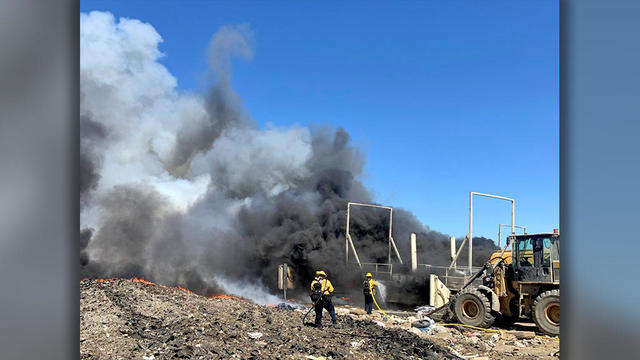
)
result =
(438, 329)
(255, 335)
(518, 344)
(423, 310)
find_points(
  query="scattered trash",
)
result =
(425, 308)
(473, 340)
(357, 311)
(520, 335)
(424, 325)
(234, 329)
(289, 306)
(423, 311)
(440, 329)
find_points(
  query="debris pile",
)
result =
(519, 341)
(124, 319)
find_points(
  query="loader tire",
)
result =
(546, 312)
(473, 308)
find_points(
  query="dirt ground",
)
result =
(123, 319)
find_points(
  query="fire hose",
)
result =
(389, 317)
(375, 302)
(312, 307)
(372, 296)
(343, 333)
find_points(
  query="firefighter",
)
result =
(369, 292)
(321, 292)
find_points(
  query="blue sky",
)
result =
(443, 97)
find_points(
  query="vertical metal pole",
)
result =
(346, 237)
(286, 279)
(414, 253)
(513, 204)
(470, 230)
(390, 229)
(453, 251)
(499, 235)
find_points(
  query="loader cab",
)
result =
(536, 257)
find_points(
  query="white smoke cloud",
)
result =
(253, 291)
(125, 89)
(259, 161)
(189, 149)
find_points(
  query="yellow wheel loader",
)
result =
(521, 283)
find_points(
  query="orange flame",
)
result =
(141, 280)
(104, 280)
(223, 296)
(183, 289)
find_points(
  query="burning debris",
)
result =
(128, 319)
(125, 319)
(230, 297)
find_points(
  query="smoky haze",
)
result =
(185, 189)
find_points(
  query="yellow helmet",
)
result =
(320, 272)
(369, 275)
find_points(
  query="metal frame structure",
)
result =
(453, 278)
(349, 241)
(500, 226)
(469, 236)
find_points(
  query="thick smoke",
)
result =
(185, 189)
(91, 134)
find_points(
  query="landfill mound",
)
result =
(124, 319)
